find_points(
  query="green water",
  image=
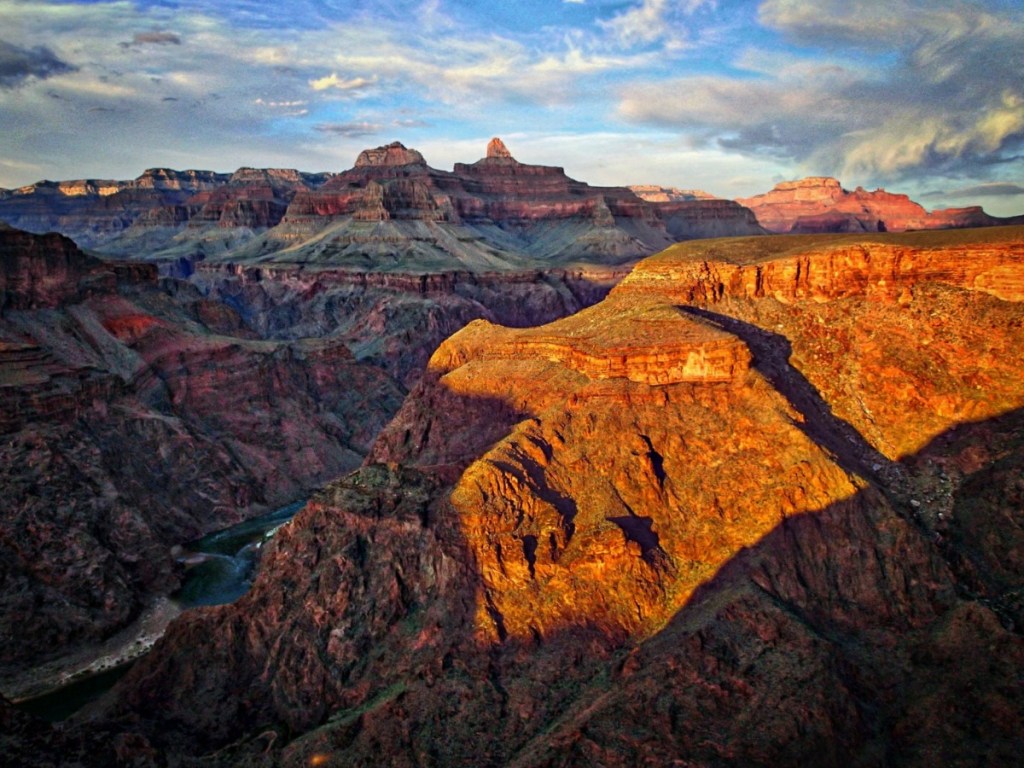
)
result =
(227, 573)
(223, 578)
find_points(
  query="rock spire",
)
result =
(496, 148)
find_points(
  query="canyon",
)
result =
(393, 212)
(750, 500)
(760, 505)
(136, 415)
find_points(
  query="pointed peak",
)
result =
(496, 148)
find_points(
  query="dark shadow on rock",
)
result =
(842, 638)
(841, 439)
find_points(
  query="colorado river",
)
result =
(220, 569)
(226, 560)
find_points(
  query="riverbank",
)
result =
(129, 644)
(219, 569)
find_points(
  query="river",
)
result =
(220, 570)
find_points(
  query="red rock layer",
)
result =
(393, 182)
(128, 425)
(591, 564)
(820, 204)
(860, 319)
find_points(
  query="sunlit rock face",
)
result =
(654, 193)
(820, 204)
(730, 515)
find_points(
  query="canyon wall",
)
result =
(136, 415)
(397, 320)
(389, 212)
(760, 506)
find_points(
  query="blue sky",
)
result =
(920, 97)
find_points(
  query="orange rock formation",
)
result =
(636, 459)
(670, 527)
(820, 204)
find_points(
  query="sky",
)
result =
(924, 97)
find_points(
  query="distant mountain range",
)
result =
(392, 212)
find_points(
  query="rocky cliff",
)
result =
(393, 212)
(397, 320)
(132, 218)
(820, 204)
(135, 415)
(389, 212)
(760, 506)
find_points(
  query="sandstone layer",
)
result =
(820, 204)
(670, 529)
(136, 415)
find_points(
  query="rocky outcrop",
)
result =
(392, 212)
(39, 272)
(566, 558)
(820, 204)
(130, 422)
(392, 320)
(857, 312)
(394, 154)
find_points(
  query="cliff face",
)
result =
(819, 204)
(393, 212)
(727, 516)
(92, 211)
(137, 414)
(396, 321)
(390, 212)
(129, 218)
(700, 219)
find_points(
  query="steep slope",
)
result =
(396, 321)
(819, 204)
(656, 531)
(135, 415)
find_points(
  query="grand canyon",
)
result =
(591, 475)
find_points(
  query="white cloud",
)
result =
(332, 81)
(899, 88)
(655, 20)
